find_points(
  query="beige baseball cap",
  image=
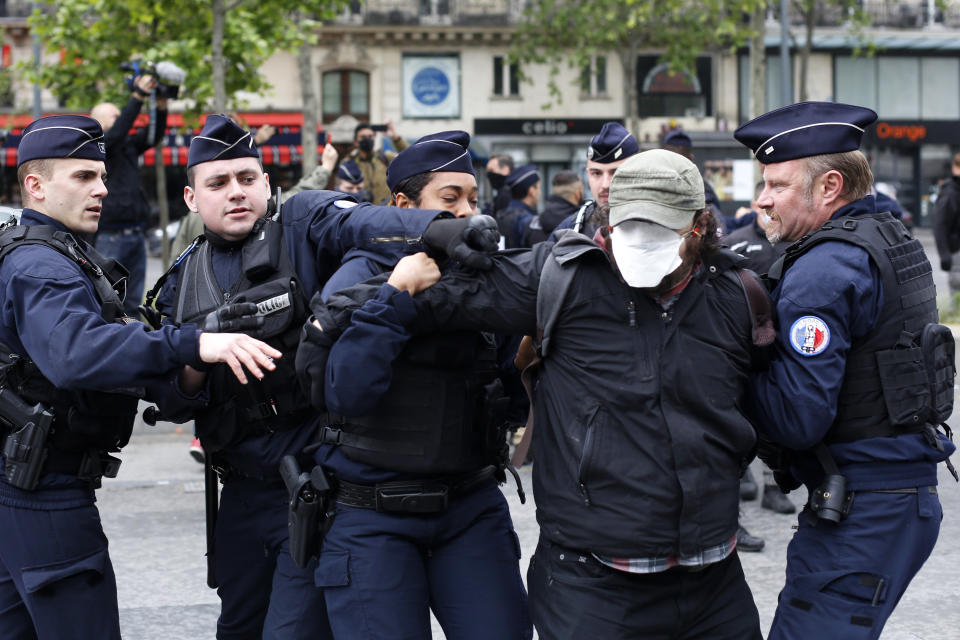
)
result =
(659, 186)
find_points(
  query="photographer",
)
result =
(372, 163)
(125, 213)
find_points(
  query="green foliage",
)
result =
(570, 31)
(94, 37)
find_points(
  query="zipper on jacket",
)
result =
(388, 239)
(632, 312)
(581, 471)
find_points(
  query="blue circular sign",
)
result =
(430, 86)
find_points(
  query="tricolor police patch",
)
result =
(809, 336)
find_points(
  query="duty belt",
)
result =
(415, 496)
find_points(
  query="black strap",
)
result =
(581, 217)
(761, 311)
(428, 495)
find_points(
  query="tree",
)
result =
(220, 43)
(558, 31)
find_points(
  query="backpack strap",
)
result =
(761, 310)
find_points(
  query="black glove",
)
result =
(465, 240)
(233, 317)
(946, 262)
(311, 362)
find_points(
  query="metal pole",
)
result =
(36, 67)
(786, 78)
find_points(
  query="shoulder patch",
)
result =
(809, 336)
(344, 204)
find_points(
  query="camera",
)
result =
(169, 76)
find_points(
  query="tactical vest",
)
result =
(890, 386)
(442, 414)
(82, 419)
(275, 403)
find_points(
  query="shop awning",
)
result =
(283, 148)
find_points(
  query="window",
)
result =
(434, 8)
(506, 77)
(593, 77)
(345, 92)
(666, 93)
(928, 88)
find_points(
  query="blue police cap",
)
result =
(444, 151)
(613, 143)
(220, 139)
(677, 138)
(805, 129)
(350, 172)
(61, 137)
(521, 179)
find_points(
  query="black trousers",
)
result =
(575, 597)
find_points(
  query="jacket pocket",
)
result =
(588, 454)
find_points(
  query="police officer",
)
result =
(607, 151)
(847, 391)
(415, 448)
(524, 185)
(69, 354)
(272, 266)
(639, 434)
(350, 180)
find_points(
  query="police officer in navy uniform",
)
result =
(847, 392)
(69, 351)
(607, 151)
(415, 447)
(265, 268)
(524, 185)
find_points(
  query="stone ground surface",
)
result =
(153, 516)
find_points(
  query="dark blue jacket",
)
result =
(50, 313)
(795, 401)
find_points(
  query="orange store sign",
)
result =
(887, 131)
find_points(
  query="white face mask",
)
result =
(645, 252)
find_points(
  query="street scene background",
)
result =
(153, 516)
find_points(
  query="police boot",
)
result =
(776, 500)
(748, 486)
(747, 542)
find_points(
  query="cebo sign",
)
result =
(544, 128)
(887, 131)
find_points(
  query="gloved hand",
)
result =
(241, 316)
(946, 262)
(465, 240)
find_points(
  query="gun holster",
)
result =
(309, 514)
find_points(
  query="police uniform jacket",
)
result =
(125, 204)
(795, 401)
(49, 312)
(640, 439)
(318, 228)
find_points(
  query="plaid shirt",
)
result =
(707, 556)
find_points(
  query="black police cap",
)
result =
(443, 151)
(221, 139)
(61, 137)
(805, 129)
(613, 143)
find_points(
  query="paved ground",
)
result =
(153, 515)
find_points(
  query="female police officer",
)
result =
(415, 448)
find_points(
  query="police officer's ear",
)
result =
(190, 199)
(830, 186)
(404, 201)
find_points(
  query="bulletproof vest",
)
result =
(441, 414)
(886, 388)
(82, 419)
(237, 411)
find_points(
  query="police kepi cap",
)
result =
(350, 172)
(61, 137)
(443, 151)
(613, 143)
(805, 129)
(221, 139)
(677, 138)
(521, 179)
(659, 186)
